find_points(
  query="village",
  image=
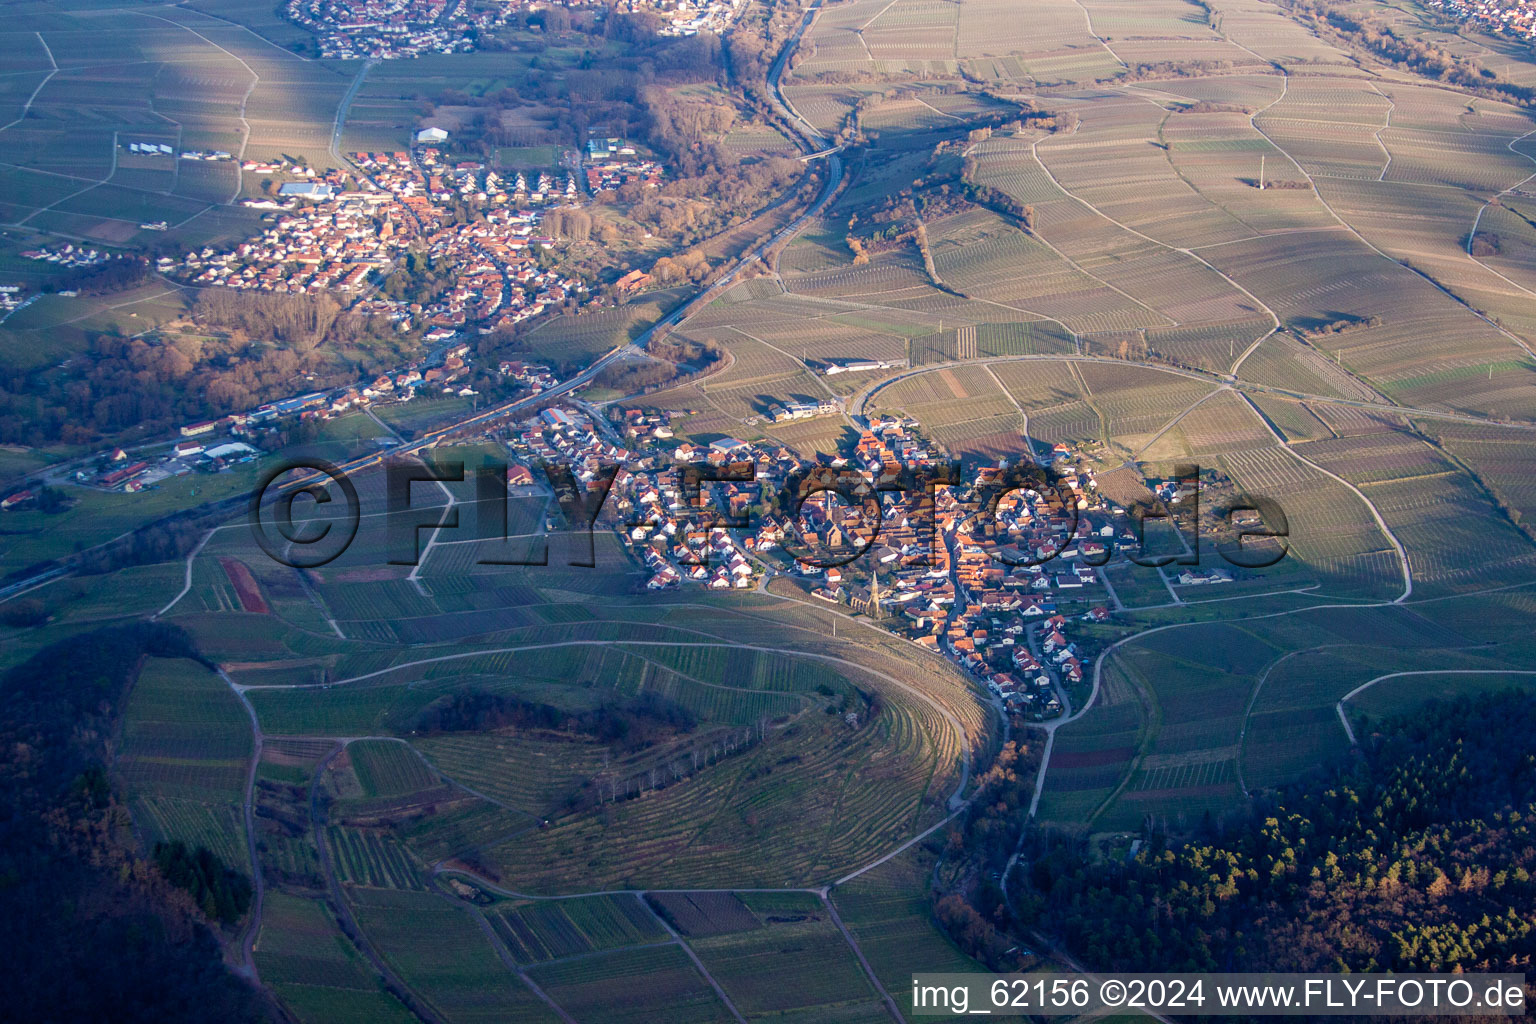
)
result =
(344, 231)
(1512, 17)
(403, 29)
(1010, 597)
(393, 29)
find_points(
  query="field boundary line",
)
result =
(249, 31)
(1034, 151)
(1510, 145)
(1402, 555)
(697, 963)
(869, 972)
(820, 381)
(248, 935)
(1253, 699)
(1389, 258)
(1024, 416)
(354, 932)
(27, 106)
(1138, 453)
(1391, 107)
(1088, 23)
(186, 586)
(1344, 719)
(505, 956)
(255, 81)
(877, 17)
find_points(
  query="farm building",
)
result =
(306, 190)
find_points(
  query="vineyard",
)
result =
(638, 985)
(301, 953)
(554, 929)
(185, 737)
(457, 971)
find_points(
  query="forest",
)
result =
(1416, 854)
(259, 348)
(631, 724)
(106, 935)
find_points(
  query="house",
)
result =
(190, 430)
(127, 473)
(431, 136)
(632, 281)
(187, 449)
(17, 500)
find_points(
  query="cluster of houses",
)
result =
(148, 148)
(1512, 17)
(532, 376)
(284, 166)
(343, 239)
(941, 588)
(119, 471)
(613, 163)
(646, 503)
(473, 182)
(930, 574)
(393, 29)
(70, 255)
(11, 299)
(162, 149)
(687, 17)
(18, 501)
(982, 590)
(215, 445)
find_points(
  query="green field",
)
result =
(439, 952)
(315, 971)
(186, 747)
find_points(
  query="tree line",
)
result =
(264, 348)
(631, 724)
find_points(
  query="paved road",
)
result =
(252, 926)
(342, 109)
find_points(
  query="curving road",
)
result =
(955, 801)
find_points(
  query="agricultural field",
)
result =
(789, 933)
(556, 929)
(633, 985)
(186, 749)
(314, 969)
(441, 953)
(893, 925)
(1152, 232)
